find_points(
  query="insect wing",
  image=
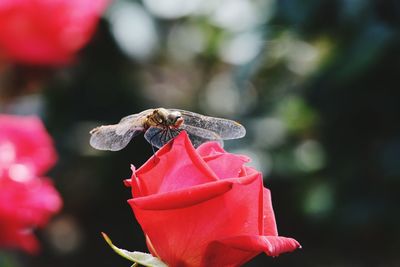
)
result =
(136, 118)
(113, 137)
(158, 137)
(200, 135)
(225, 129)
(117, 136)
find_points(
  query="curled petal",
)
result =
(226, 165)
(190, 196)
(175, 166)
(181, 198)
(239, 249)
(270, 228)
(209, 149)
(179, 233)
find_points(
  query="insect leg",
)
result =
(162, 137)
(175, 132)
(172, 133)
(169, 137)
(166, 135)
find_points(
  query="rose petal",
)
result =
(25, 206)
(270, 228)
(135, 184)
(14, 237)
(249, 170)
(209, 149)
(182, 233)
(226, 165)
(30, 145)
(189, 196)
(174, 167)
(239, 249)
(30, 203)
(47, 32)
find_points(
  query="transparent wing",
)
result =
(200, 135)
(113, 137)
(117, 136)
(136, 118)
(158, 137)
(225, 129)
(197, 140)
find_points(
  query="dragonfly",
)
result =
(160, 125)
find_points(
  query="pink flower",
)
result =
(27, 201)
(25, 142)
(204, 207)
(47, 32)
(24, 206)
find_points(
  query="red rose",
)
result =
(204, 207)
(27, 201)
(24, 140)
(47, 31)
(25, 204)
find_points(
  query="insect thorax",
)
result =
(162, 117)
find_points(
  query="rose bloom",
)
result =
(47, 32)
(25, 204)
(204, 207)
(27, 200)
(24, 142)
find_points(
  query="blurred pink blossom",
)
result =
(24, 140)
(47, 32)
(27, 200)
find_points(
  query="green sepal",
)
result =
(139, 258)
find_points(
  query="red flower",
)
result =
(27, 201)
(24, 206)
(204, 207)
(47, 32)
(24, 141)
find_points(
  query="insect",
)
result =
(161, 125)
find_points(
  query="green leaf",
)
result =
(141, 258)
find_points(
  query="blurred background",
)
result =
(314, 82)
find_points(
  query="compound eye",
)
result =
(177, 118)
(174, 116)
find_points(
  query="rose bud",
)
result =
(204, 207)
